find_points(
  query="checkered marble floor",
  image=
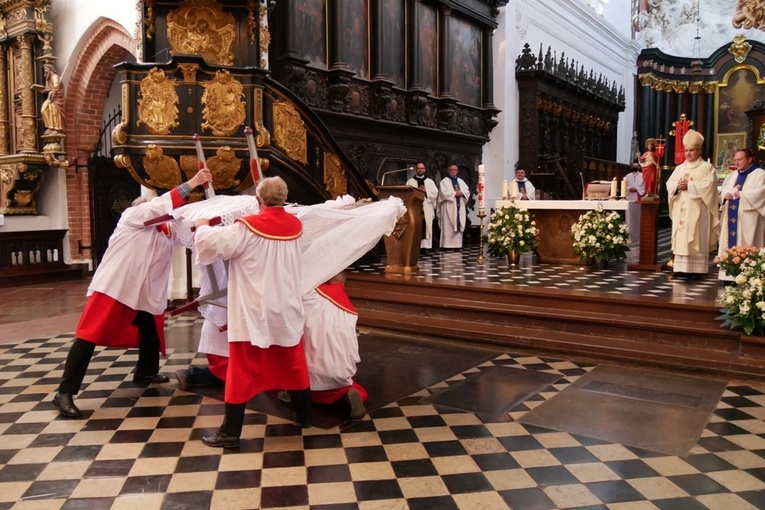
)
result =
(139, 448)
(460, 266)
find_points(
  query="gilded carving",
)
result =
(189, 72)
(163, 170)
(263, 135)
(679, 86)
(223, 101)
(22, 197)
(124, 161)
(290, 131)
(335, 179)
(400, 227)
(695, 87)
(224, 166)
(158, 103)
(119, 136)
(201, 27)
(189, 165)
(251, 23)
(739, 48)
(710, 86)
(749, 14)
(149, 19)
(265, 36)
(3, 26)
(17, 16)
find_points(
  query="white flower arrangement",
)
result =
(512, 230)
(744, 302)
(600, 235)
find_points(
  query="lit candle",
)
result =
(481, 170)
(613, 188)
(514, 191)
(624, 188)
(504, 190)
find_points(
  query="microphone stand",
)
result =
(382, 181)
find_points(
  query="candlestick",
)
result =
(624, 188)
(514, 191)
(481, 216)
(613, 188)
(504, 190)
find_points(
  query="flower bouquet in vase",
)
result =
(600, 236)
(512, 231)
(744, 303)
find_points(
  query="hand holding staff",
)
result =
(209, 190)
(257, 174)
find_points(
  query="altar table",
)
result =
(554, 219)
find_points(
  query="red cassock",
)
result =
(133, 276)
(265, 311)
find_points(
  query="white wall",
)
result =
(569, 26)
(72, 19)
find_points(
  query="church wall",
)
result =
(582, 34)
(73, 18)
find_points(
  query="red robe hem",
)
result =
(255, 370)
(107, 322)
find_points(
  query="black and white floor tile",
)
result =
(139, 448)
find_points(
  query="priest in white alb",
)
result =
(453, 194)
(743, 206)
(426, 184)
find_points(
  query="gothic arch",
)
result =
(87, 81)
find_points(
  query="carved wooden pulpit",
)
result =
(402, 247)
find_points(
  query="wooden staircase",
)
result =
(651, 331)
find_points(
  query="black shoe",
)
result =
(149, 379)
(65, 405)
(221, 440)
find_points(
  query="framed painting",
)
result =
(309, 34)
(464, 61)
(427, 46)
(392, 24)
(355, 48)
(727, 144)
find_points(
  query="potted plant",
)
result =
(744, 303)
(600, 236)
(512, 231)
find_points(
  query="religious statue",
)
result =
(52, 109)
(649, 164)
(46, 38)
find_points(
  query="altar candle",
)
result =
(514, 191)
(613, 187)
(480, 192)
(504, 190)
(624, 188)
(481, 170)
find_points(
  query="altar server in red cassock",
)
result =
(128, 295)
(265, 307)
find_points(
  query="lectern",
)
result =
(649, 218)
(402, 247)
